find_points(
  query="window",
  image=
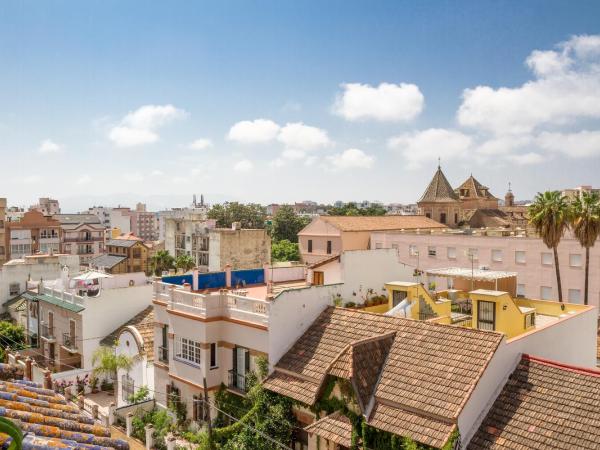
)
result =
(127, 387)
(431, 251)
(496, 255)
(163, 349)
(443, 218)
(547, 259)
(14, 289)
(546, 292)
(428, 215)
(394, 246)
(575, 260)
(329, 247)
(451, 252)
(520, 290)
(486, 315)
(187, 350)
(310, 246)
(213, 355)
(574, 295)
(455, 217)
(378, 245)
(520, 257)
(413, 250)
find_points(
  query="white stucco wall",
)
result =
(141, 373)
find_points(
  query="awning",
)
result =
(475, 274)
(91, 275)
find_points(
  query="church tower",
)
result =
(439, 201)
(509, 198)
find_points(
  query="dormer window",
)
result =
(464, 192)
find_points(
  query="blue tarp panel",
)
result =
(178, 279)
(211, 280)
(250, 276)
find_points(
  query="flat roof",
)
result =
(402, 283)
(476, 274)
(488, 292)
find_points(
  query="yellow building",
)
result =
(125, 254)
(483, 306)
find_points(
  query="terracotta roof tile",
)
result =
(143, 322)
(295, 387)
(47, 420)
(476, 189)
(544, 405)
(381, 223)
(335, 427)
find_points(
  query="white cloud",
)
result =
(84, 179)
(201, 144)
(244, 165)
(352, 158)
(583, 144)
(49, 146)
(253, 131)
(386, 102)
(277, 163)
(140, 127)
(503, 145)
(525, 158)
(566, 87)
(157, 173)
(298, 136)
(425, 146)
(293, 154)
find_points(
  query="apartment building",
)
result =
(47, 206)
(82, 234)
(144, 224)
(34, 233)
(522, 253)
(2, 231)
(212, 248)
(71, 315)
(113, 218)
(124, 254)
(330, 235)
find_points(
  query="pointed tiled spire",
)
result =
(439, 189)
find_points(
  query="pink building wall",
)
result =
(536, 275)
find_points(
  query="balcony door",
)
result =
(241, 366)
(50, 323)
(486, 315)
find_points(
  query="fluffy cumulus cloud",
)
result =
(253, 131)
(83, 179)
(426, 146)
(48, 146)
(301, 137)
(244, 165)
(565, 88)
(200, 144)
(523, 159)
(583, 144)
(141, 126)
(386, 102)
(353, 158)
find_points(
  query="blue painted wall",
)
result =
(211, 280)
(178, 279)
(250, 276)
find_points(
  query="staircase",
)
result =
(426, 312)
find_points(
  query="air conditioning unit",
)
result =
(484, 267)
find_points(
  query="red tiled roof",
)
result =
(335, 427)
(381, 223)
(544, 405)
(423, 369)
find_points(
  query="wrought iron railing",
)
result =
(47, 331)
(462, 306)
(237, 381)
(69, 341)
(427, 315)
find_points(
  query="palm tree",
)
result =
(585, 221)
(161, 261)
(107, 363)
(549, 215)
(8, 427)
(185, 262)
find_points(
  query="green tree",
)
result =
(106, 362)
(351, 209)
(185, 262)
(11, 336)
(585, 221)
(285, 250)
(549, 214)
(162, 260)
(249, 215)
(287, 224)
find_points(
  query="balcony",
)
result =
(217, 304)
(237, 382)
(163, 354)
(84, 239)
(47, 332)
(69, 342)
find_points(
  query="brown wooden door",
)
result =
(318, 278)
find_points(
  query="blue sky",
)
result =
(106, 101)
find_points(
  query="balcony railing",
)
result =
(69, 341)
(237, 381)
(47, 332)
(163, 354)
(84, 239)
(217, 304)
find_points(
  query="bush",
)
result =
(350, 305)
(159, 419)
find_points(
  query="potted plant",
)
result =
(94, 384)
